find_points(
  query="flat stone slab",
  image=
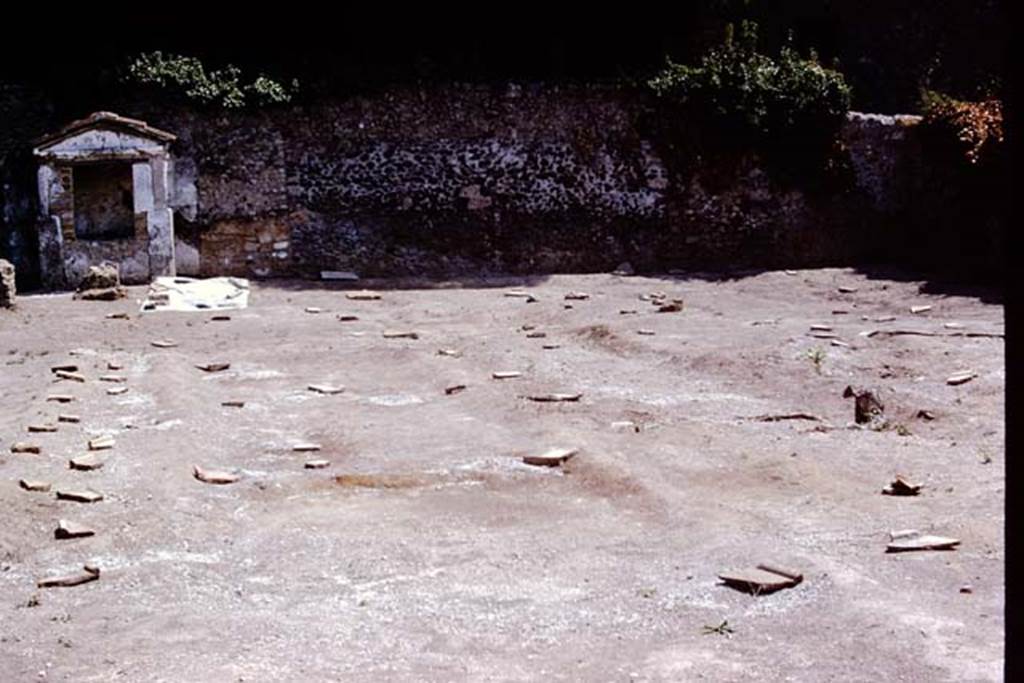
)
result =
(554, 398)
(69, 367)
(401, 334)
(163, 343)
(961, 378)
(449, 352)
(551, 458)
(920, 309)
(116, 391)
(101, 442)
(762, 579)
(117, 379)
(73, 376)
(116, 316)
(41, 428)
(233, 404)
(506, 374)
(325, 388)
(846, 289)
(313, 309)
(821, 328)
(88, 462)
(363, 296)
(214, 476)
(646, 332)
(213, 367)
(910, 543)
(536, 335)
(549, 347)
(454, 389)
(69, 418)
(79, 495)
(34, 485)
(23, 447)
(348, 318)
(577, 296)
(67, 529)
(89, 573)
(60, 398)
(317, 464)
(305, 447)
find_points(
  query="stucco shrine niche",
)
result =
(103, 196)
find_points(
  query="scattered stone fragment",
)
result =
(73, 376)
(117, 379)
(116, 391)
(966, 588)
(846, 289)
(821, 328)
(233, 404)
(787, 416)
(89, 573)
(68, 418)
(626, 425)
(112, 365)
(101, 443)
(60, 398)
(22, 447)
(627, 311)
(920, 309)
(363, 296)
(536, 335)
(838, 342)
(506, 374)
(454, 389)
(396, 334)
(527, 327)
(79, 496)
(885, 318)
(925, 415)
(448, 352)
(520, 294)
(163, 344)
(954, 326)
(866, 406)
(912, 540)
(762, 579)
(840, 311)
(348, 318)
(901, 487)
(789, 272)
(673, 307)
(577, 296)
(654, 297)
(305, 447)
(823, 335)
(551, 458)
(645, 332)
(314, 309)
(116, 316)
(549, 347)
(317, 464)
(338, 275)
(220, 318)
(625, 269)
(34, 485)
(86, 462)
(42, 428)
(567, 306)
(961, 378)
(554, 398)
(325, 389)
(66, 529)
(214, 367)
(69, 367)
(214, 476)
(107, 294)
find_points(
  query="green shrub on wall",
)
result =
(742, 98)
(187, 77)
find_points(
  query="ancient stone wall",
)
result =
(521, 179)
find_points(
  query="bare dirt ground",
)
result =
(445, 557)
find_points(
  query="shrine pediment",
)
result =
(103, 135)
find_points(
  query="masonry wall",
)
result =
(458, 180)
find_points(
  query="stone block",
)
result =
(7, 289)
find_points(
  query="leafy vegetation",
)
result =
(188, 78)
(973, 129)
(746, 92)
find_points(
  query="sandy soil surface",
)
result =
(428, 549)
